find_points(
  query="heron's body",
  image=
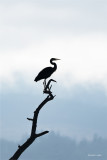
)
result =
(47, 72)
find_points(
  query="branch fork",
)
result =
(47, 89)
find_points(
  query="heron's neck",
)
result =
(55, 66)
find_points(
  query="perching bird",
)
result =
(46, 72)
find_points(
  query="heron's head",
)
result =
(54, 59)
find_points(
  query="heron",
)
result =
(47, 72)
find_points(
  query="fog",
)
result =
(56, 147)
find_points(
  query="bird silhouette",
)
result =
(47, 72)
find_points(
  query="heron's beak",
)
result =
(57, 59)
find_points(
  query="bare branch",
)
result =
(30, 119)
(42, 133)
(34, 135)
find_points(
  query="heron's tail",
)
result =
(35, 80)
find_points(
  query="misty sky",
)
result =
(55, 147)
(32, 32)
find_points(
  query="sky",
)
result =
(61, 148)
(32, 32)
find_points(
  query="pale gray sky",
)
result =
(31, 32)
(34, 31)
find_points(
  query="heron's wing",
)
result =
(45, 73)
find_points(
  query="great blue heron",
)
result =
(46, 72)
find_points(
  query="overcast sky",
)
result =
(32, 32)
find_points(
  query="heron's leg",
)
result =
(44, 83)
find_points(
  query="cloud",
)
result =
(61, 15)
(74, 31)
(23, 23)
(56, 147)
(83, 59)
(34, 31)
(79, 112)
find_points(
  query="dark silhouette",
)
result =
(46, 72)
(34, 135)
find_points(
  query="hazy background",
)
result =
(32, 32)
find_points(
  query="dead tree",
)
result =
(34, 135)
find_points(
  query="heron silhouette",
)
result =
(47, 72)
